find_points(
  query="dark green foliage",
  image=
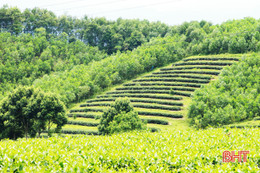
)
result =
(95, 104)
(151, 121)
(82, 132)
(11, 20)
(149, 91)
(87, 110)
(163, 84)
(204, 63)
(120, 117)
(234, 97)
(244, 126)
(132, 100)
(153, 129)
(188, 72)
(28, 111)
(158, 102)
(84, 116)
(100, 100)
(110, 36)
(161, 114)
(172, 92)
(156, 121)
(171, 80)
(211, 59)
(257, 118)
(194, 67)
(178, 75)
(83, 123)
(143, 96)
(155, 88)
(170, 108)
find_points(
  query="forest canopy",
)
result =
(110, 36)
(78, 58)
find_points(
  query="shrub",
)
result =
(120, 117)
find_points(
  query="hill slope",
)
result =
(233, 98)
(160, 97)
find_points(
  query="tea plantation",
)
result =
(195, 85)
(170, 151)
(160, 97)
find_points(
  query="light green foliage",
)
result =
(156, 53)
(28, 111)
(25, 58)
(234, 97)
(120, 117)
(234, 36)
(171, 151)
(115, 69)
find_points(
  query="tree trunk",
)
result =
(26, 131)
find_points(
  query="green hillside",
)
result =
(233, 98)
(160, 97)
(79, 58)
(197, 85)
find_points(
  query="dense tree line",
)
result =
(236, 36)
(234, 97)
(110, 36)
(56, 53)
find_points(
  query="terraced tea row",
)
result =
(188, 72)
(95, 122)
(158, 96)
(171, 80)
(191, 67)
(136, 105)
(211, 59)
(150, 91)
(203, 63)
(162, 84)
(165, 97)
(178, 76)
(109, 100)
(156, 88)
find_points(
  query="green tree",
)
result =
(120, 117)
(28, 111)
(11, 20)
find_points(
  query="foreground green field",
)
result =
(168, 151)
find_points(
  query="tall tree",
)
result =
(28, 111)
